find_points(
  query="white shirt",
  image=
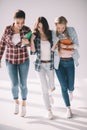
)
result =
(16, 38)
(45, 50)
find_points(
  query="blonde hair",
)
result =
(61, 20)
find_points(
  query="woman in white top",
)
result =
(41, 44)
(17, 58)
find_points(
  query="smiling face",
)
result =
(18, 23)
(60, 27)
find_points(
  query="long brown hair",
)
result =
(46, 29)
(62, 20)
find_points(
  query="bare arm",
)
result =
(33, 50)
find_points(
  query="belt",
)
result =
(70, 58)
(47, 61)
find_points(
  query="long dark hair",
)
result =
(46, 29)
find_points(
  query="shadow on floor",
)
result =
(5, 127)
(59, 123)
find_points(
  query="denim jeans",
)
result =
(18, 74)
(47, 82)
(65, 74)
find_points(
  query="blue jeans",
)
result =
(18, 74)
(65, 74)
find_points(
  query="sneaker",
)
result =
(71, 96)
(23, 111)
(50, 115)
(68, 113)
(16, 109)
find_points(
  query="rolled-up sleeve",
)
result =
(74, 38)
(2, 44)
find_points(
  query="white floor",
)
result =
(36, 112)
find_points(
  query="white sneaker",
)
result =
(50, 115)
(16, 109)
(23, 111)
(68, 113)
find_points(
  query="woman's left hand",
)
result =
(25, 41)
(67, 46)
(71, 46)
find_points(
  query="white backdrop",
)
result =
(73, 10)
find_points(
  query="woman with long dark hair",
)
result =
(41, 44)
